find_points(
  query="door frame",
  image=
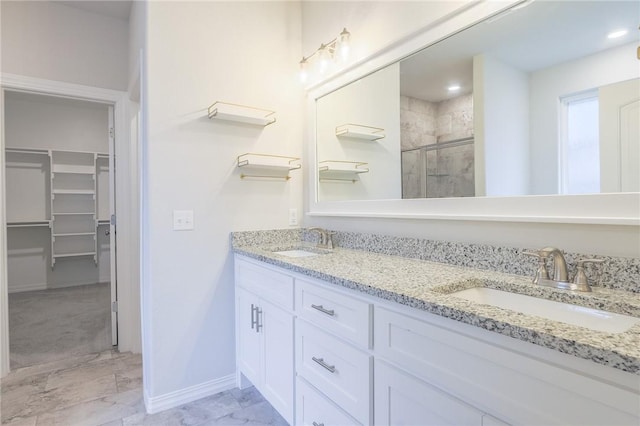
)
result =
(119, 101)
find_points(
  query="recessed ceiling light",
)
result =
(454, 88)
(616, 34)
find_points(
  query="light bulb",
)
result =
(304, 65)
(323, 59)
(344, 45)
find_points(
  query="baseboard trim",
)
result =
(35, 287)
(27, 287)
(183, 396)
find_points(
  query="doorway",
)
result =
(60, 247)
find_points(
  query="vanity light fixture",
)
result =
(334, 51)
(617, 34)
(454, 88)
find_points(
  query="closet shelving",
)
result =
(336, 170)
(73, 205)
(359, 131)
(267, 166)
(61, 195)
(241, 113)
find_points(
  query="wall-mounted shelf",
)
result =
(341, 170)
(241, 113)
(359, 131)
(267, 166)
(73, 191)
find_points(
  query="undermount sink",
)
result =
(593, 319)
(296, 253)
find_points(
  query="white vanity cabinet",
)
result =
(332, 341)
(363, 360)
(264, 333)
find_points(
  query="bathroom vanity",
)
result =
(356, 337)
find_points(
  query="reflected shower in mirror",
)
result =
(536, 100)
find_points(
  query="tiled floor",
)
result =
(54, 324)
(106, 389)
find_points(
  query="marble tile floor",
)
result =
(105, 389)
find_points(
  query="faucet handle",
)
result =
(541, 272)
(581, 278)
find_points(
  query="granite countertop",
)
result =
(426, 285)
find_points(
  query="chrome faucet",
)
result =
(326, 240)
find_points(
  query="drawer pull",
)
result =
(317, 424)
(323, 310)
(320, 361)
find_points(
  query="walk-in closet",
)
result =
(58, 207)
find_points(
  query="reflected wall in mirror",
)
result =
(537, 100)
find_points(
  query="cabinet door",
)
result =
(248, 336)
(403, 400)
(276, 327)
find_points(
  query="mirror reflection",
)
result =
(537, 100)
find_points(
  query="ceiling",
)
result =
(543, 34)
(114, 8)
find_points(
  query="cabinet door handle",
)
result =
(320, 361)
(258, 316)
(254, 322)
(317, 424)
(320, 308)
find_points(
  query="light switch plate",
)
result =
(293, 217)
(182, 220)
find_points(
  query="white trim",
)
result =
(44, 286)
(61, 89)
(186, 395)
(609, 208)
(20, 83)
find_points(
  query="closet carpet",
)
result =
(50, 325)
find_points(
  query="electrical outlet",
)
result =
(182, 220)
(293, 217)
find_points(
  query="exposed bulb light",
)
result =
(304, 70)
(336, 51)
(617, 34)
(454, 88)
(343, 43)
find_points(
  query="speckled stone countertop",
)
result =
(427, 286)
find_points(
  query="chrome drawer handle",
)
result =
(317, 424)
(320, 308)
(331, 368)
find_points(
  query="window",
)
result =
(579, 144)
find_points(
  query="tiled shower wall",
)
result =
(439, 173)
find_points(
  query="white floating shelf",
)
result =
(359, 131)
(341, 170)
(267, 166)
(74, 214)
(241, 114)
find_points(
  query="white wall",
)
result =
(198, 53)
(501, 120)
(373, 101)
(43, 122)
(49, 40)
(320, 22)
(550, 84)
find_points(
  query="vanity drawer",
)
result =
(334, 312)
(314, 409)
(336, 368)
(271, 285)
